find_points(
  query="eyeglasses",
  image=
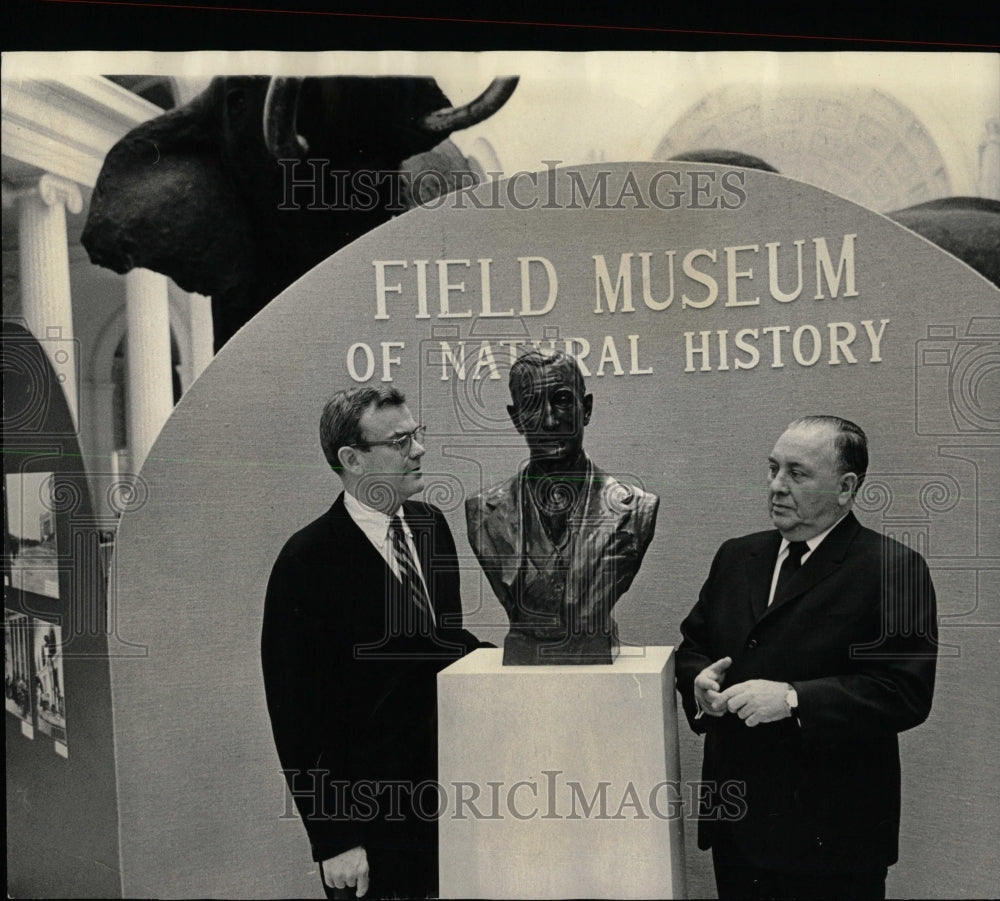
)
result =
(404, 443)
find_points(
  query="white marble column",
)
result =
(150, 392)
(202, 334)
(97, 438)
(43, 251)
(989, 161)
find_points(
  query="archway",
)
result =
(858, 142)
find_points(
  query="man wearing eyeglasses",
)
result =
(362, 611)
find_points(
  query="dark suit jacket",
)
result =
(855, 631)
(350, 676)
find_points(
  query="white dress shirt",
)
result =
(375, 525)
(812, 544)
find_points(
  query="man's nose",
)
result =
(549, 419)
(416, 449)
(777, 484)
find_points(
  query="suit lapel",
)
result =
(760, 571)
(603, 511)
(826, 559)
(352, 543)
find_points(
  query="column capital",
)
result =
(54, 189)
(51, 189)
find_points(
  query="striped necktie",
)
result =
(409, 575)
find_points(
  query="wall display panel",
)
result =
(61, 807)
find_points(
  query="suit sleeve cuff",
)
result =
(325, 847)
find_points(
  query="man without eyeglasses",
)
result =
(810, 647)
(362, 611)
(561, 541)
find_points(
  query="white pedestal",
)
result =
(561, 781)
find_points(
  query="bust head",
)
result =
(550, 408)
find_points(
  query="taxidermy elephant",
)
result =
(256, 180)
(967, 227)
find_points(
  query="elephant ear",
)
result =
(967, 227)
(176, 213)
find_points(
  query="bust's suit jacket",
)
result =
(855, 631)
(619, 523)
(350, 672)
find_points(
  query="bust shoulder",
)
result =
(501, 496)
(623, 496)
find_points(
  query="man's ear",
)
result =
(848, 485)
(515, 417)
(350, 460)
(588, 408)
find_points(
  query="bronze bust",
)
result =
(561, 541)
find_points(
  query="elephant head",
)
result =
(256, 180)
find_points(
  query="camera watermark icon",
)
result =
(958, 379)
(35, 371)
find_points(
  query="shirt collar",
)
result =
(371, 521)
(814, 542)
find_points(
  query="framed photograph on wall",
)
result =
(49, 686)
(30, 541)
(17, 665)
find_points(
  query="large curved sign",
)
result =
(707, 306)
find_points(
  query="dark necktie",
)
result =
(409, 575)
(793, 561)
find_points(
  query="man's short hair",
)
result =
(340, 424)
(524, 368)
(850, 442)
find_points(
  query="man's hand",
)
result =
(708, 684)
(348, 869)
(757, 700)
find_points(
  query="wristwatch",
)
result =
(792, 702)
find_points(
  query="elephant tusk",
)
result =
(280, 108)
(445, 121)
